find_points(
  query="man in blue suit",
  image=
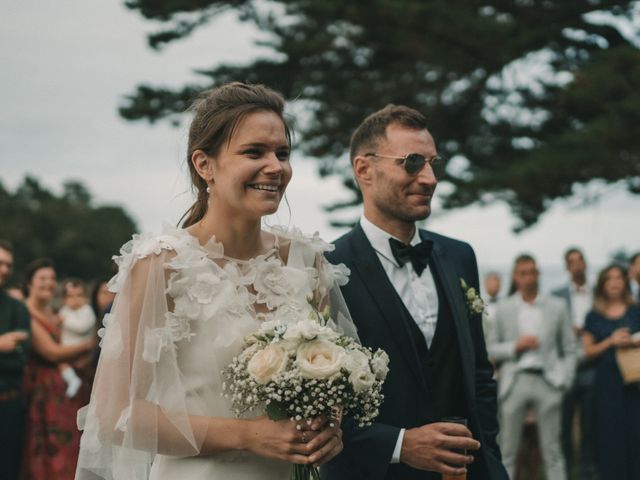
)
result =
(405, 295)
(634, 276)
(578, 298)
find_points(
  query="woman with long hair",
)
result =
(101, 298)
(51, 435)
(616, 406)
(187, 298)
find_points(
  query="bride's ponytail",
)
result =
(218, 112)
(199, 207)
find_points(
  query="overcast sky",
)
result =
(65, 66)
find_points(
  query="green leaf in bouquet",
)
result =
(276, 411)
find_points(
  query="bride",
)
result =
(186, 299)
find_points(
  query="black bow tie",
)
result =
(418, 254)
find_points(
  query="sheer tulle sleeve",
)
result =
(330, 279)
(308, 252)
(138, 403)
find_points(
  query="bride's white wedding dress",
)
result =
(180, 316)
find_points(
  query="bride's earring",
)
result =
(209, 190)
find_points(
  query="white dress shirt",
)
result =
(530, 323)
(490, 308)
(418, 293)
(581, 302)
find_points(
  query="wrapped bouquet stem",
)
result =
(303, 370)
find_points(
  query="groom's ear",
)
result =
(203, 164)
(362, 170)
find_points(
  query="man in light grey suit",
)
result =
(532, 342)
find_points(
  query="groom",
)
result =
(405, 296)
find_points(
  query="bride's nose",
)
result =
(274, 164)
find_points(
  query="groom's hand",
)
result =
(431, 447)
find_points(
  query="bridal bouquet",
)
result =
(303, 370)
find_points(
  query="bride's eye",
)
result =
(283, 155)
(253, 153)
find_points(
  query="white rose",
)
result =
(362, 379)
(471, 293)
(380, 364)
(305, 329)
(319, 359)
(292, 313)
(266, 363)
(308, 330)
(249, 351)
(356, 360)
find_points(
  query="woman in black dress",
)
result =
(609, 326)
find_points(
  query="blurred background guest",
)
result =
(616, 406)
(492, 284)
(101, 299)
(534, 346)
(15, 292)
(101, 302)
(78, 324)
(52, 437)
(634, 276)
(577, 295)
(78, 317)
(14, 348)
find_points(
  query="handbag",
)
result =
(629, 363)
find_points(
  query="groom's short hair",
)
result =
(374, 127)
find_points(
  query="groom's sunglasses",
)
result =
(414, 162)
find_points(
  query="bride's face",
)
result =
(252, 170)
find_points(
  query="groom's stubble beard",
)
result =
(412, 215)
(403, 215)
(392, 206)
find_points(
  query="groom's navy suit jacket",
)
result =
(452, 377)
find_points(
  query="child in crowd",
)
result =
(78, 324)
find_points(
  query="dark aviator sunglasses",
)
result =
(414, 162)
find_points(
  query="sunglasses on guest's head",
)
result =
(414, 162)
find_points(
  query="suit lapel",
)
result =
(383, 294)
(450, 283)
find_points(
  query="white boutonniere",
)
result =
(475, 304)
